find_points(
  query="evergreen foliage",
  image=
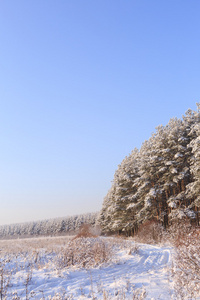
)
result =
(161, 181)
(49, 227)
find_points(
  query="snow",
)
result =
(190, 213)
(130, 268)
(174, 171)
(152, 192)
(177, 155)
(169, 163)
(131, 205)
(163, 169)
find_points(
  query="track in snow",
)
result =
(149, 267)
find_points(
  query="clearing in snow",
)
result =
(84, 268)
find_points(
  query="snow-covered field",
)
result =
(84, 268)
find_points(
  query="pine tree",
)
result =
(193, 188)
(160, 181)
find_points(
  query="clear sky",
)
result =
(82, 83)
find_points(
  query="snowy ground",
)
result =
(41, 269)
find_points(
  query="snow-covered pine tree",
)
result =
(193, 188)
(117, 212)
(161, 181)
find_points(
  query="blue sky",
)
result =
(82, 83)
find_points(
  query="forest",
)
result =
(49, 227)
(160, 181)
(154, 196)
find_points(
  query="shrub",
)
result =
(186, 268)
(150, 232)
(85, 252)
(85, 231)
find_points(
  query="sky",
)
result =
(82, 83)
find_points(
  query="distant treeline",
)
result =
(57, 226)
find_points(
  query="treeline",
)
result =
(161, 181)
(50, 227)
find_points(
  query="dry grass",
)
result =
(151, 232)
(85, 253)
(85, 231)
(60, 253)
(120, 294)
(186, 269)
(31, 244)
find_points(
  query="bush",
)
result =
(85, 252)
(150, 232)
(85, 231)
(186, 268)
